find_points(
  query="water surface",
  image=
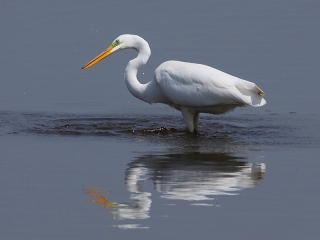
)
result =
(83, 159)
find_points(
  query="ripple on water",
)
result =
(237, 130)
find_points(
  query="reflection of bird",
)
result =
(194, 176)
(188, 87)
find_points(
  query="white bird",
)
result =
(188, 87)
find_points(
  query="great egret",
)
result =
(188, 87)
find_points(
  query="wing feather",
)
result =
(190, 84)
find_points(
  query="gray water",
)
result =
(83, 159)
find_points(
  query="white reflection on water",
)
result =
(200, 185)
(130, 226)
(194, 177)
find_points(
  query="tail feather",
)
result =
(250, 86)
(259, 91)
(253, 92)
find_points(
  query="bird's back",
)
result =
(197, 85)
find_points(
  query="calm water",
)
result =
(83, 159)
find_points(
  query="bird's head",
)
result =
(121, 42)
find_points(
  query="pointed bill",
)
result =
(99, 57)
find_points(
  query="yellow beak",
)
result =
(99, 57)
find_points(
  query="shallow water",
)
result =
(63, 176)
(83, 159)
(231, 131)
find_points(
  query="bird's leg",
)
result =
(188, 118)
(196, 121)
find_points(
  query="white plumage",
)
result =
(188, 87)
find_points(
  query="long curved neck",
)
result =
(130, 75)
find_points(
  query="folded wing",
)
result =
(197, 85)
